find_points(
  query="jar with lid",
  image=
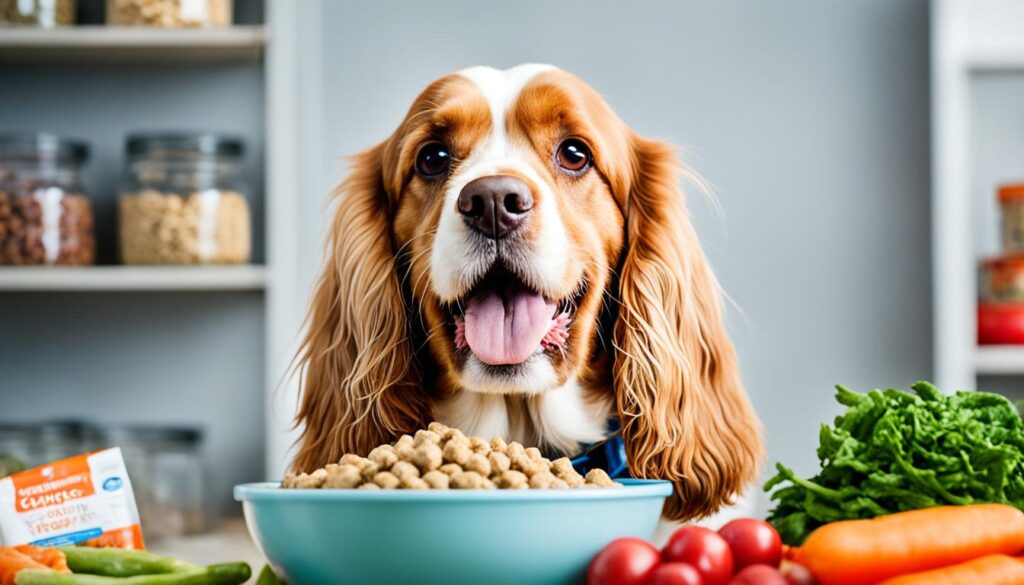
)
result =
(169, 13)
(167, 475)
(183, 201)
(45, 216)
(41, 13)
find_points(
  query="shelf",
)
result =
(999, 359)
(109, 44)
(132, 278)
(992, 59)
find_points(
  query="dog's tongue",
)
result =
(506, 327)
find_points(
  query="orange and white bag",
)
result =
(86, 500)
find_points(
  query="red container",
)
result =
(1000, 323)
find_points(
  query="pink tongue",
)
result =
(507, 328)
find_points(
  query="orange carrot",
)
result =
(990, 570)
(864, 552)
(12, 561)
(50, 556)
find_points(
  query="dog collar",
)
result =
(608, 454)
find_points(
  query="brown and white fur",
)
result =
(611, 247)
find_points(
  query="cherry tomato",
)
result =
(675, 574)
(704, 549)
(626, 561)
(797, 574)
(759, 575)
(753, 542)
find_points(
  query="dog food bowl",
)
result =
(450, 537)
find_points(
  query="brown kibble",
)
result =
(450, 469)
(478, 445)
(599, 477)
(468, 480)
(384, 456)
(426, 437)
(404, 441)
(543, 480)
(352, 459)
(403, 469)
(438, 428)
(499, 462)
(369, 470)
(457, 451)
(343, 476)
(437, 480)
(369, 486)
(563, 469)
(498, 444)
(512, 480)
(387, 480)
(413, 483)
(427, 456)
(479, 464)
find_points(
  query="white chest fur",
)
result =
(556, 420)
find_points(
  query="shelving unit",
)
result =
(105, 44)
(133, 278)
(973, 43)
(182, 345)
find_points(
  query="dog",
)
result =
(514, 261)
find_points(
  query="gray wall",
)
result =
(808, 117)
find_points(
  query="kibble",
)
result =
(169, 13)
(31, 233)
(199, 228)
(441, 458)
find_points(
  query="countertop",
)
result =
(229, 542)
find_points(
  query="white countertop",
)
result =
(230, 542)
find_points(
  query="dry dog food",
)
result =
(86, 499)
(169, 13)
(207, 227)
(46, 226)
(441, 458)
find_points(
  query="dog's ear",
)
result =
(685, 416)
(359, 387)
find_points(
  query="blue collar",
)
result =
(609, 454)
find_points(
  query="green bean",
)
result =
(269, 577)
(116, 562)
(221, 574)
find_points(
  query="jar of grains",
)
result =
(169, 13)
(41, 13)
(1011, 202)
(183, 201)
(44, 216)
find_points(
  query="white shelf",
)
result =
(133, 278)
(999, 359)
(91, 44)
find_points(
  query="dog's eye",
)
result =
(573, 155)
(432, 160)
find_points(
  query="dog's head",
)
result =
(512, 235)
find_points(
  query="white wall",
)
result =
(808, 117)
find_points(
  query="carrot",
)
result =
(990, 570)
(864, 552)
(11, 562)
(50, 556)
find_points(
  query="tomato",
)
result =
(675, 574)
(759, 575)
(704, 549)
(753, 542)
(797, 574)
(626, 561)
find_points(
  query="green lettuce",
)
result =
(894, 451)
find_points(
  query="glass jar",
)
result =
(169, 13)
(41, 13)
(45, 217)
(183, 201)
(167, 475)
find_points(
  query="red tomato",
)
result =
(626, 561)
(704, 549)
(759, 575)
(753, 542)
(675, 574)
(797, 574)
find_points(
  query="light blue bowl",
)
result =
(399, 537)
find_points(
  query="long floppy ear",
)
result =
(360, 386)
(685, 415)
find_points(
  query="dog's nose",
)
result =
(496, 205)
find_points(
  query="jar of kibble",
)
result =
(183, 201)
(169, 13)
(41, 13)
(1011, 200)
(45, 217)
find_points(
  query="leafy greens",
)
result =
(894, 451)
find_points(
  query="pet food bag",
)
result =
(85, 500)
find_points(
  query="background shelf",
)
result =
(107, 44)
(133, 278)
(999, 359)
